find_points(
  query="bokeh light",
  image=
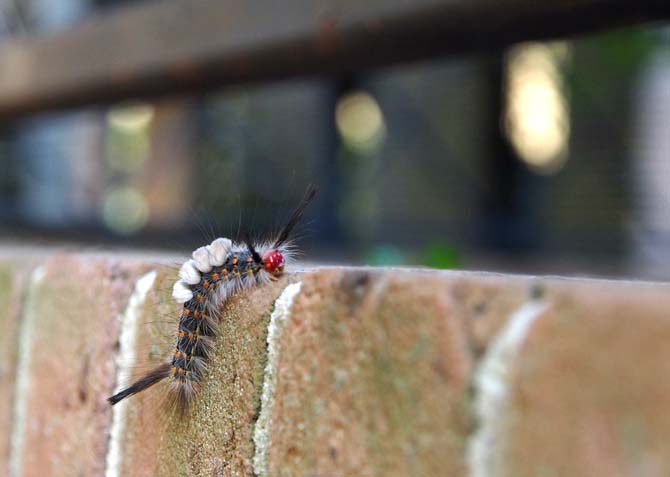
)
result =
(125, 210)
(537, 118)
(130, 117)
(360, 122)
(127, 140)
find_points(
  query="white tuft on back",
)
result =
(201, 260)
(181, 293)
(188, 273)
(218, 251)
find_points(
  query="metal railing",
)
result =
(178, 46)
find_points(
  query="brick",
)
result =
(370, 372)
(587, 392)
(71, 318)
(14, 274)
(373, 375)
(215, 438)
(483, 302)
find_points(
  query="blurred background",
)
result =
(540, 157)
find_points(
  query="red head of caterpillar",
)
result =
(273, 261)
(213, 274)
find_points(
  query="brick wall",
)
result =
(337, 372)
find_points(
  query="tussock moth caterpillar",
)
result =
(213, 274)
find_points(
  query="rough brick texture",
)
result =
(69, 335)
(591, 383)
(13, 278)
(215, 439)
(370, 372)
(372, 379)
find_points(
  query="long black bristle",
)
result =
(254, 254)
(296, 215)
(151, 378)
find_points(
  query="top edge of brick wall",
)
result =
(34, 255)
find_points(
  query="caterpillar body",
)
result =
(213, 274)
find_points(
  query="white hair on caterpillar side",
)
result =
(191, 274)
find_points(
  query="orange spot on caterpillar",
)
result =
(196, 314)
(173, 370)
(190, 336)
(200, 297)
(180, 370)
(215, 276)
(181, 333)
(205, 284)
(187, 311)
(234, 261)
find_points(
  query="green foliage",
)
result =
(441, 255)
(434, 255)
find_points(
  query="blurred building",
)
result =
(550, 157)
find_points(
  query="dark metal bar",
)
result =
(180, 46)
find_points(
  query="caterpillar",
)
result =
(213, 274)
